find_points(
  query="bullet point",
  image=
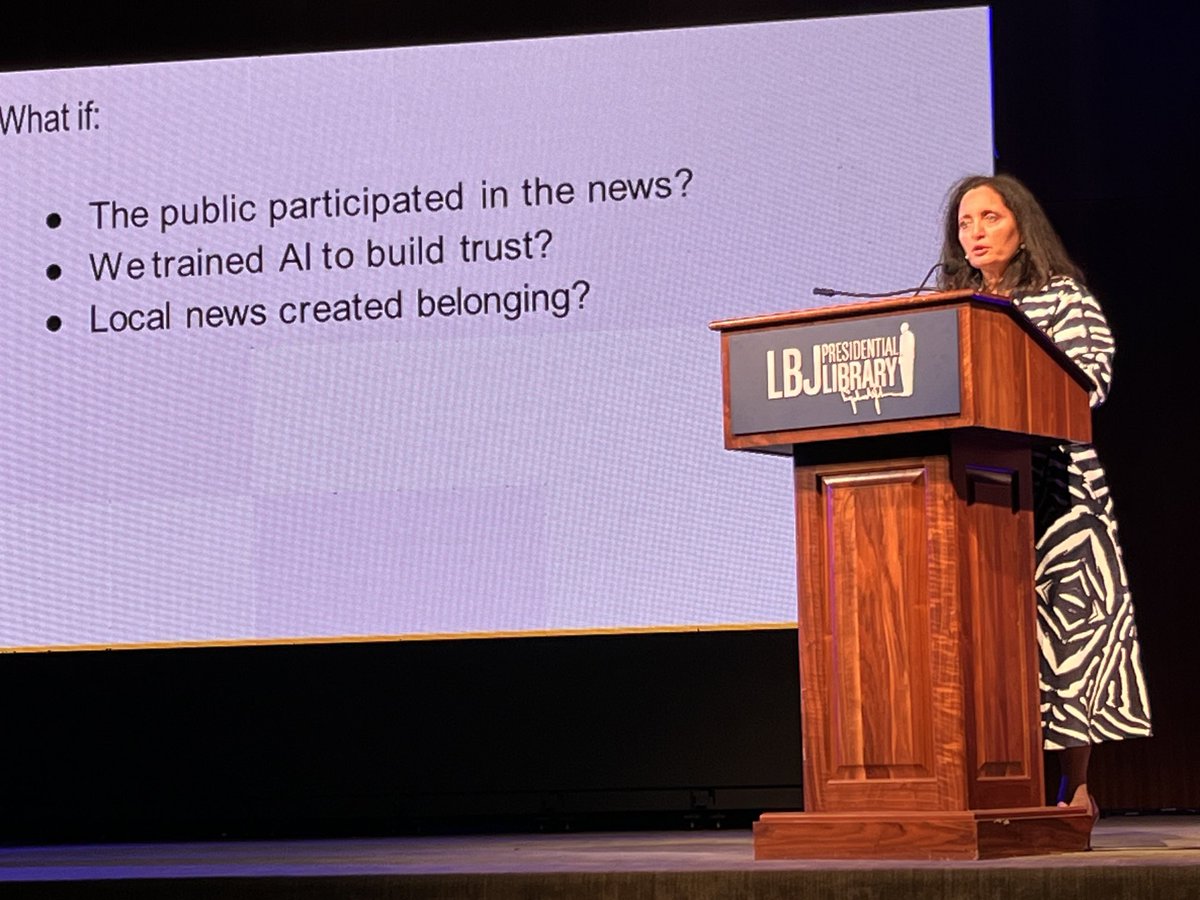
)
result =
(53, 323)
(53, 220)
(53, 271)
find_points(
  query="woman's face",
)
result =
(987, 231)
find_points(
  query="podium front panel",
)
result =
(881, 685)
(845, 372)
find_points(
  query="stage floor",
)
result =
(1164, 846)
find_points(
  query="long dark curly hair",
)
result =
(1040, 258)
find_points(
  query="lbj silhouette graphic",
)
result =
(908, 358)
(898, 353)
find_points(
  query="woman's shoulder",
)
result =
(1061, 291)
(1060, 286)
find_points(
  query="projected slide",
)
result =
(413, 342)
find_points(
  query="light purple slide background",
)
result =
(447, 475)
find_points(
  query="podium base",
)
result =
(936, 834)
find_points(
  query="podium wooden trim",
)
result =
(917, 617)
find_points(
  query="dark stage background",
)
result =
(1094, 104)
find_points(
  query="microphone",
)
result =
(949, 266)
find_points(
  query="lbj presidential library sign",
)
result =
(853, 371)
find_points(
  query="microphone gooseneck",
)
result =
(949, 266)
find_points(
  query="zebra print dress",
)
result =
(1092, 684)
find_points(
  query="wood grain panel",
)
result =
(879, 616)
(1025, 386)
(994, 834)
(999, 621)
(851, 836)
(1001, 367)
(1056, 396)
(881, 684)
(996, 553)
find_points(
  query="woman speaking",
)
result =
(1091, 676)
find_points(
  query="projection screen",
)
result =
(413, 342)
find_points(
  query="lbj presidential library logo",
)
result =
(867, 369)
(896, 366)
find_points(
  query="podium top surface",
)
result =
(860, 308)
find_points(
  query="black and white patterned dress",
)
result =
(1092, 684)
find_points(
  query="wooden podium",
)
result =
(911, 423)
